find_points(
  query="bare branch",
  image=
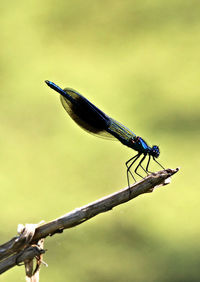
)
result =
(84, 213)
(22, 243)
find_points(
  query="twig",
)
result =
(13, 248)
(23, 256)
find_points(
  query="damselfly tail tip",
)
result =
(47, 82)
(51, 84)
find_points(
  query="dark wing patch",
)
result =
(85, 114)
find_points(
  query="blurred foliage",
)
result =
(139, 62)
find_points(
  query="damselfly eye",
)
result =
(155, 152)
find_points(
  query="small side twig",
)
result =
(23, 256)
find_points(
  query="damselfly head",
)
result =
(155, 152)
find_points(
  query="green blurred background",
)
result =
(139, 62)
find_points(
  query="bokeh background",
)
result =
(139, 62)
